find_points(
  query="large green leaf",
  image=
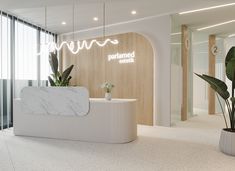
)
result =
(66, 73)
(51, 81)
(67, 81)
(219, 86)
(53, 63)
(230, 63)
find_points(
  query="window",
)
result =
(25, 52)
(5, 71)
(45, 38)
(5, 43)
(20, 64)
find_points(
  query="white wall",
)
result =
(157, 30)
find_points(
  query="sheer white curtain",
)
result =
(25, 52)
(25, 58)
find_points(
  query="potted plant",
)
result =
(227, 138)
(57, 78)
(107, 88)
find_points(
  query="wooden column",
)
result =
(212, 58)
(185, 57)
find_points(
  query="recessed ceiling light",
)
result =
(208, 8)
(95, 18)
(216, 25)
(133, 12)
(63, 23)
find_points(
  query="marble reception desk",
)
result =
(99, 120)
(72, 101)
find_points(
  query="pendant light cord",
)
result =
(104, 19)
(73, 20)
(45, 18)
(45, 25)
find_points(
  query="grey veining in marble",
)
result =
(66, 101)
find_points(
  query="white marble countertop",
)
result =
(103, 100)
(69, 101)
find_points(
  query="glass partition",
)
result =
(200, 66)
(200, 55)
(176, 73)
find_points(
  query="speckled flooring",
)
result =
(190, 145)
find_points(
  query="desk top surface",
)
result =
(103, 100)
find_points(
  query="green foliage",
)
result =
(230, 63)
(57, 78)
(221, 88)
(107, 87)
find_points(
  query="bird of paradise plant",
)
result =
(221, 89)
(57, 78)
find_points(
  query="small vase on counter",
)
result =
(108, 96)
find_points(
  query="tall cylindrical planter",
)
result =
(108, 96)
(227, 142)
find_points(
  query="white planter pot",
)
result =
(227, 142)
(108, 96)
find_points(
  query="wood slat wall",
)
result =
(132, 80)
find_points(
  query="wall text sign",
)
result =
(123, 57)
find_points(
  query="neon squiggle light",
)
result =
(52, 46)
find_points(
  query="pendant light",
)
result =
(46, 46)
(83, 44)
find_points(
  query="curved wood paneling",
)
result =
(131, 80)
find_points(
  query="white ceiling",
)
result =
(117, 11)
(207, 18)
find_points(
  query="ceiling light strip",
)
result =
(178, 33)
(231, 35)
(216, 25)
(205, 9)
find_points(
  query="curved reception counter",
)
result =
(105, 121)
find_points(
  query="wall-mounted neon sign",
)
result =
(123, 58)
